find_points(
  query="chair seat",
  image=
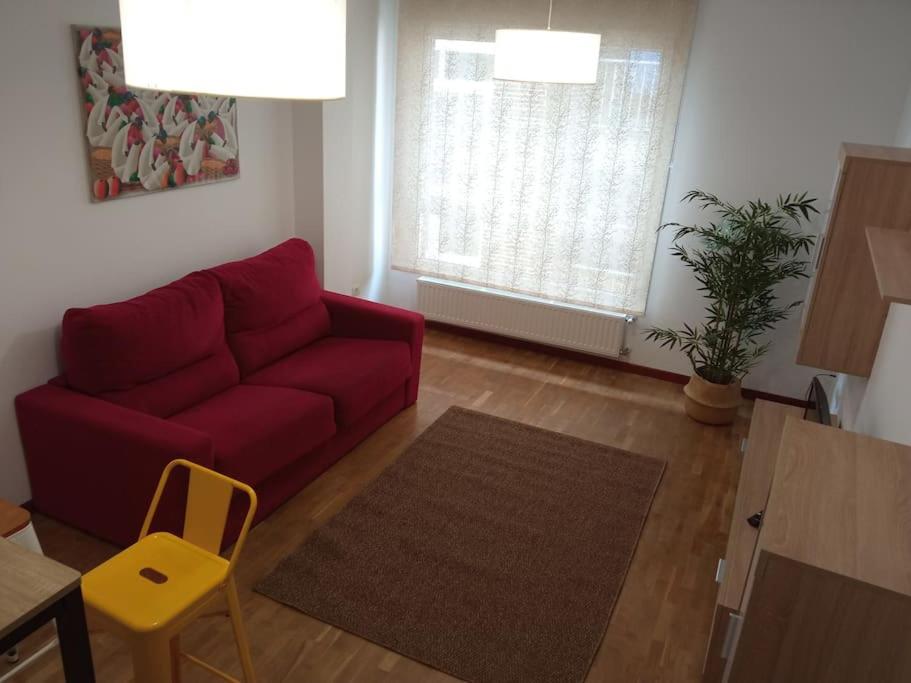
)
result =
(356, 373)
(118, 591)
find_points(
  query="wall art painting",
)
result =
(141, 141)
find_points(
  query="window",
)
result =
(549, 190)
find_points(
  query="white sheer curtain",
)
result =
(549, 190)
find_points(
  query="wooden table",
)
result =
(35, 589)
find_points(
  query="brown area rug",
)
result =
(491, 550)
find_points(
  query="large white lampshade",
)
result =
(546, 56)
(288, 49)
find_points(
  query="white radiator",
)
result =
(524, 317)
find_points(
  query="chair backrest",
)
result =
(209, 497)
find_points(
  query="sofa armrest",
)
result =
(353, 317)
(94, 464)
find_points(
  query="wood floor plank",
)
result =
(661, 622)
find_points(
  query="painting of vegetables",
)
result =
(142, 141)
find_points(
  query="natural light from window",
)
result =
(548, 190)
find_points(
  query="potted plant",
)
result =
(738, 260)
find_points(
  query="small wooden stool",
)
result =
(16, 526)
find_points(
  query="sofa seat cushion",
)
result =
(257, 430)
(356, 373)
(273, 304)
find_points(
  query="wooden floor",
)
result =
(660, 625)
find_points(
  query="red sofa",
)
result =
(249, 368)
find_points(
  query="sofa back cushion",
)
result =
(160, 352)
(272, 304)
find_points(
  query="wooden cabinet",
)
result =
(827, 595)
(845, 314)
(808, 624)
(759, 458)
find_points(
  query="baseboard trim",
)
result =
(612, 363)
(753, 394)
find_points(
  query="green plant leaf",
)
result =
(738, 260)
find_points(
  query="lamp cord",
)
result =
(550, 13)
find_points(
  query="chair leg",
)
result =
(151, 658)
(175, 659)
(240, 634)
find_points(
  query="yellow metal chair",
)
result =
(151, 591)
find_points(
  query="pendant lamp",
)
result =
(546, 56)
(287, 49)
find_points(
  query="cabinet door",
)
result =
(759, 458)
(845, 315)
(806, 624)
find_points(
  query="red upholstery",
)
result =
(94, 464)
(258, 430)
(159, 352)
(352, 317)
(356, 373)
(156, 378)
(286, 482)
(272, 304)
(182, 388)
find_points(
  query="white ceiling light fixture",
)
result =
(283, 49)
(546, 56)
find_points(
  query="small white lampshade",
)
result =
(288, 49)
(546, 56)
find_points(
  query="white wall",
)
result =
(772, 88)
(348, 134)
(884, 410)
(57, 249)
(903, 137)
(307, 118)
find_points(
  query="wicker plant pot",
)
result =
(710, 403)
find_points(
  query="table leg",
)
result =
(73, 634)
